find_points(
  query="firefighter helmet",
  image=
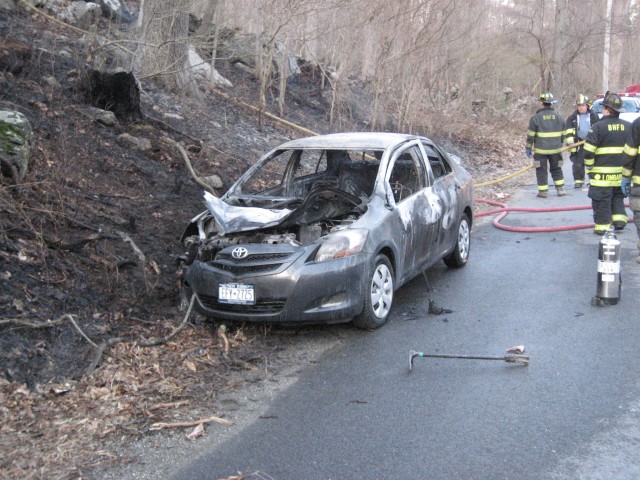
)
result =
(614, 102)
(582, 100)
(547, 97)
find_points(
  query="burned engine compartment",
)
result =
(291, 196)
(325, 210)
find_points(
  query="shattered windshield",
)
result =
(288, 174)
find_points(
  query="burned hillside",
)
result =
(90, 236)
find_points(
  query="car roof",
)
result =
(353, 140)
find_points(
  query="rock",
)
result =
(116, 10)
(81, 14)
(142, 144)
(215, 181)
(7, 6)
(51, 81)
(105, 117)
(203, 72)
(173, 116)
(16, 141)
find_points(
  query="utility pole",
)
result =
(607, 48)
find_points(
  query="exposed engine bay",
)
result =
(325, 210)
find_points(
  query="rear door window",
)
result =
(439, 165)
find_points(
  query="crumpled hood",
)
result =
(239, 219)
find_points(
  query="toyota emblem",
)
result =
(239, 252)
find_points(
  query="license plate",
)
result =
(236, 293)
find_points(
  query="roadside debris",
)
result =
(196, 432)
(513, 356)
(436, 309)
(161, 425)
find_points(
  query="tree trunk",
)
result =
(619, 19)
(164, 45)
(607, 48)
(558, 49)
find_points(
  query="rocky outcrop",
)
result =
(16, 141)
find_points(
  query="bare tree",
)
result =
(618, 31)
(418, 55)
(164, 44)
(556, 70)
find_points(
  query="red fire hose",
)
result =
(504, 211)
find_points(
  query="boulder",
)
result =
(202, 70)
(142, 144)
(16, 141)
(7, 6)
(81, 14)
(104, 117)
(116, 10)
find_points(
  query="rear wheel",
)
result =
(378, 297)
(460, 254)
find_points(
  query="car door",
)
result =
(445, 199)
(415, 223)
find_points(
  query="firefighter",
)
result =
(575, 131)
(631, 175)
(603, 158)
(545, 137)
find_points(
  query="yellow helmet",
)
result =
(547, 97)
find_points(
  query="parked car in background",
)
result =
(324, 229)
(631, 107)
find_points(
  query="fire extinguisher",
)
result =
(609, 281)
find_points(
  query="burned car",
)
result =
(324, 229)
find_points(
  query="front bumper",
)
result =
(300, 292)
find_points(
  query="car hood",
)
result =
(320, 204)
(231, 219)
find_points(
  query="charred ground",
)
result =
(88, 243)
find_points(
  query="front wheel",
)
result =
(378, 297)
(460, 254)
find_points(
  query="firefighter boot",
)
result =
(561, 192)
(542, 194)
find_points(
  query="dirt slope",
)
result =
(88, 243)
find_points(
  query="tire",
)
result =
(378, 296)
(460, 254)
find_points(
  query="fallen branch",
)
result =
(187, 162)
(78, 329)
(165, 126)
(149, 343)
(221, 333)
(126, 238)
(47, 324)
(52, 242)
(153, 343)
(159, 406)
(161, 425)
(21, 322)
(100, 351)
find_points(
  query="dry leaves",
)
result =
(69, 428)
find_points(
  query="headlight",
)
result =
(342, 244)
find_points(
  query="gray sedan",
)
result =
(324, 229)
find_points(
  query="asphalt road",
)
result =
(573, 413)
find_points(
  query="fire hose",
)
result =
(505, 209)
